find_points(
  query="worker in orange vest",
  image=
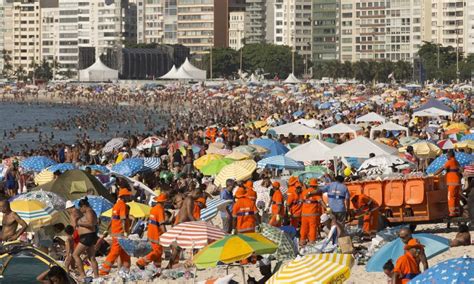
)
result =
(278, 210)
(367, 209)
(294, 201)
(453, 181)
(251, 194)
(407, 266)
(244, 213)
(311, 211)
(120, 226)
(156, 227)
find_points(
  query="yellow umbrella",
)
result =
(315, 268)
(259, 123)
(206, 159)
(259, 149)
(44, 177)
(240, 170)
(137, 210)
(35, 213)
(217, 145)
(457, 125)
(238, 156)
(424, 150)
(465, 144)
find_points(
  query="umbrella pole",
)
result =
(243, 274)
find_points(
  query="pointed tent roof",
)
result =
(253, 79)
(371, 117)
(361, 147)
(433, 107)
(182, 74)
(197, 73)
(98, 72)
(292, 79)
(295, 128)
(312, 122)
(341, 128)
(314, 150)
(99, 66)
(171, 74)
(390, 126)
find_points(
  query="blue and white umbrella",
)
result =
(62, 167)
(280, 162)
(468, 137)
(213, 206)
(114, 144)
(326, 105)
(98, 203)
(463, 159)
(151, 163)
(129, 167)
(275, 147)
(455, 270)
(99, 168)
(36, 163)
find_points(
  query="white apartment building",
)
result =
(255, 18)
(150, 21)
(469, 27)
(2, 32)
(236, 30)
(292, 25)
(49, 33)
(448, 22)
(69, 38)
(170, 22)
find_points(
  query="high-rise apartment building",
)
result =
(49, 31)
(255, 21)
(2, 32)
(448, 22)
(150, 21)
(324, 20)
(237, 22)
(469, 27)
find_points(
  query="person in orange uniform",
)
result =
(294, 201)
(407, 266)
(244, 213)
(199, 204)
(251, 194)
(278, 210)
(120, 226)
(311, 211)
(453, 181)
(156, 227)
(367, 209)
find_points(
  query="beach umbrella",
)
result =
(137, 210)
(215, 166)
(275, 148)
(114, 144)
(233, 248)
(240, 170)
(385, 164)
(425, 149)
(409, 140)
(35, 213)
(463, 159)
(151, 163)
(466, 144)
(246, 150)
(468, 137)
(149, 143)
(218, 151)
(98, 168)
(191, 235)
(44, 177)
(98, 203)
(213, 206)
(457, 125)
(48, 198)
(286, 247)
(135, 247)
(36, 163)
(455, 270)
(280, 162)
(235, 155)
(315, 268)
(434, 245)
(128, 167)
(446, 144)
(206, 159)
(259, 149)
(62, 167)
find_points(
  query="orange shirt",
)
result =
(197, 211)
(407, 267)
(244, 210)
(365, 203)
(452, 172)
(311, 205)
(119, 213)
(157, 218)
(277, 203)
(294, 201)
(251, 194)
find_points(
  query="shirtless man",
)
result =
(186, 206)
(10, 223)
(86, 227)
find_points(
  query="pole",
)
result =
(293, 61)
(241, 51)
(210, 64)
(457, 55)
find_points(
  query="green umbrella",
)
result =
(406, 141)
(215, 166)
(286, 248)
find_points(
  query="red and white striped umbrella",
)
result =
(150, 142)
(191, 235)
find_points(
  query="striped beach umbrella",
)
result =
(137, 210)
(212, 208)
(114, 144)
(280, 162)
(35, 213)
(151, 163)
(149, 143)
(191, 235)
(315, 268)
(36, 163)
(240, 170)
(44, 177)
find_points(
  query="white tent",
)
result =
(197, 73)
(432, 112)
(253, 79)
(361, 147)
(371, 117)
(390, 126)
(182, 74)
(292, 79)
(314, 150)
(342, 128)
(312, 122)
(171, 74)
(98, 72)
(295, 128)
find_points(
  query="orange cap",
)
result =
(298, 184)
(124, 192)
(292, 181)
(276, 184)
(241, 192)
(248, 184)
(413, 243)
(161, 198)
(202, 200)
(313, 182)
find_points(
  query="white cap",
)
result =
(325, 217)
(69, 204)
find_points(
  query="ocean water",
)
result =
(43, 117)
